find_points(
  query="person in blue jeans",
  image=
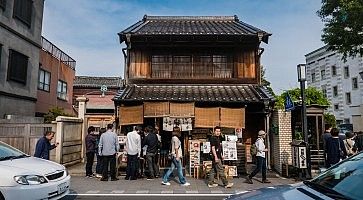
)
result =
(176, 160)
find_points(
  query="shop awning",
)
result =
(242, 93)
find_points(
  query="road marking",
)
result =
(216, 191)
(92, 191)
(192, 192)
(142, 192)
(155, 195)
(167, 192)
(118, 191)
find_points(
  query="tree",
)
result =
(330, 119)
(343, 31)
(313, 97)
(54, 113)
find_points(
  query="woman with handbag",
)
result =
(177, 154)
(335, 148)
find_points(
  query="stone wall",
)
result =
(281, 139)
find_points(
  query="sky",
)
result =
(87, 30)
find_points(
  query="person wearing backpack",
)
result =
(260, 158)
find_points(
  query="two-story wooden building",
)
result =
(195, 72)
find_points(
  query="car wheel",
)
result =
(2, 197)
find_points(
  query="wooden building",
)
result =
(195, 72)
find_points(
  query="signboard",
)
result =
(122, 139)
(232, 171)
(229, 150)
(238, 132)
(194, 154)
(231, 138)
(185, 124)
(206, 147)
(299, 157)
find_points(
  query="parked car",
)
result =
(26, 177)
(341, 181)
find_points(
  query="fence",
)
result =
(68, 130)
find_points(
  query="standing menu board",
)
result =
(194, 154)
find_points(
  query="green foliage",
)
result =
(313, 97)
(54, 113)
(343, 31)
(330, 119)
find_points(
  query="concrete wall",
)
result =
(15, 35)
(281, 140)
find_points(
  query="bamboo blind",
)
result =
(233, 117)
(131, 115)
(139, 64)
(156, 109)
(206, 117)
(181, 109)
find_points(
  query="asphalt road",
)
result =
(147, 197)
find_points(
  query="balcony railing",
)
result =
(57, 53)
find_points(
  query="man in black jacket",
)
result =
(151, 141)
(43, 145)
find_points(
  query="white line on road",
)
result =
(155, 195)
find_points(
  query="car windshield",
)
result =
(8, 152)
(346, 178)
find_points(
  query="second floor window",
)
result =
(346, 72)
(23, 11)
(333, 70)
(44, 80)
(322, 72)
(313, 79)
(335, 91)
(355, 83)
(18, 66)
(323, 89)
(348, 98)
(62, 90)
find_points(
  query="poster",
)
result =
(185, 124)
(238, 133)
(229, 150)
(206, 147)
(194, 153)
(122, 139)
(231, 138)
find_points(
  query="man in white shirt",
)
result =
(133, 149)
(260, 157)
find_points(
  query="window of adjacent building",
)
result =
(44, 80)
(3, 4)
(336, 106)
(348, 98)
(23, 11)
(322, 72)
(346, 121)
(323, 89)
(333, 70)
(313, 79)
(346, 72)
(62, 90)
(355, 83)
(18, 66)
(335, 91)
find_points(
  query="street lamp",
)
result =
(301, 76)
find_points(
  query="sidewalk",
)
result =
(82, 185)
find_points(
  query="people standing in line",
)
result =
(141, 159)
(157, 155)
(324, 138)
(335, 148)
(151, 141)
(99, 158)
(91, 149)
(217, 158)
(133, 149)
(349, 143)
(260, 158)
(358, 142)
(177, 154)
(43, 145)
(108, 148)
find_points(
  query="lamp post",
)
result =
(301, 75)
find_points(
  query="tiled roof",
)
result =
(92, 81)
(194, 93)
(99, 102)
(192, 25)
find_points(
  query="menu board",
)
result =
(229, 150)
(194, 153)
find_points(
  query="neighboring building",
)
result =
(194, 72)
(100, 109)
(340, 82)
(20, 43)
(55, 79)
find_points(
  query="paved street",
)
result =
(86, 188)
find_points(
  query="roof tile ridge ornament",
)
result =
(189, 18)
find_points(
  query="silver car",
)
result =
(26, 177)
(341, 181)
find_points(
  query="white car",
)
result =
(26, 177)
